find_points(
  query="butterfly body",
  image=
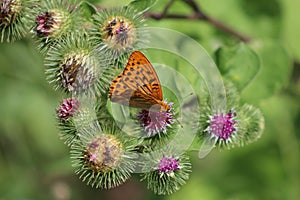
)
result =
(138, 85)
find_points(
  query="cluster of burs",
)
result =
(113, 115)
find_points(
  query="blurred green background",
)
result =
(35, 164)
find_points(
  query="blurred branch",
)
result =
(164, 12)
(197, 15)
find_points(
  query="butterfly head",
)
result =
(160, 106)
(165, 107)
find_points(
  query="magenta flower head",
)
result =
(222, 126)
(168, 165)
(68, 108)
(166, 172)
(52, 23)
(155, 122)
(45, 21)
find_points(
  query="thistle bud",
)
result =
(116, 32)
(54, 21)
(104, 160)
(73, 68)
(51, 23)
(169, 172)
(15, 19)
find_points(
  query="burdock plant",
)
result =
(16, 18)
(116, 32)
(84, 48)
(54, 20)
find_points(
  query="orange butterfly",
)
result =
(138, 85)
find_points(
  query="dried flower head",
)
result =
(15, 19)
(116, 32)
(104, 162)
(74, 74)
(119, 33)
(54, 21)
(104, 153)
(72, 67)
(9, 11)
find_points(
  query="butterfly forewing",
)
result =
(138, 85)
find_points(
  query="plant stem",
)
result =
(197, 15)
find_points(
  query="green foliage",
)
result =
(88, 8)
(142, 5)
(275, 71)
(290, 27)
(35, 164)
(239, 64)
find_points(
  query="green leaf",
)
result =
(240, 64)
(275, 71)
(88, 8)
(290, 26)
(142, 5)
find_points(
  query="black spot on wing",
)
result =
(149, 72)
(152, 80)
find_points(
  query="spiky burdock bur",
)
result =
(166, 172)
(103, 160)
(154, 122)
(15, 21)
(251, 124)
(73, 68)
(54, 20)
(235, 126)
(65, 113)
(116, 32)
(155, 128)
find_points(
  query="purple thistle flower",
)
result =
(44, 23)
(154, 122)
(222, 126)
(51, 23)
(168, 165)
(68, 108)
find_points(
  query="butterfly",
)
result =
(138, 85)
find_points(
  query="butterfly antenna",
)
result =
(179, 122)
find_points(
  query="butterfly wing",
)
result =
(138, 85)
(206, 147)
